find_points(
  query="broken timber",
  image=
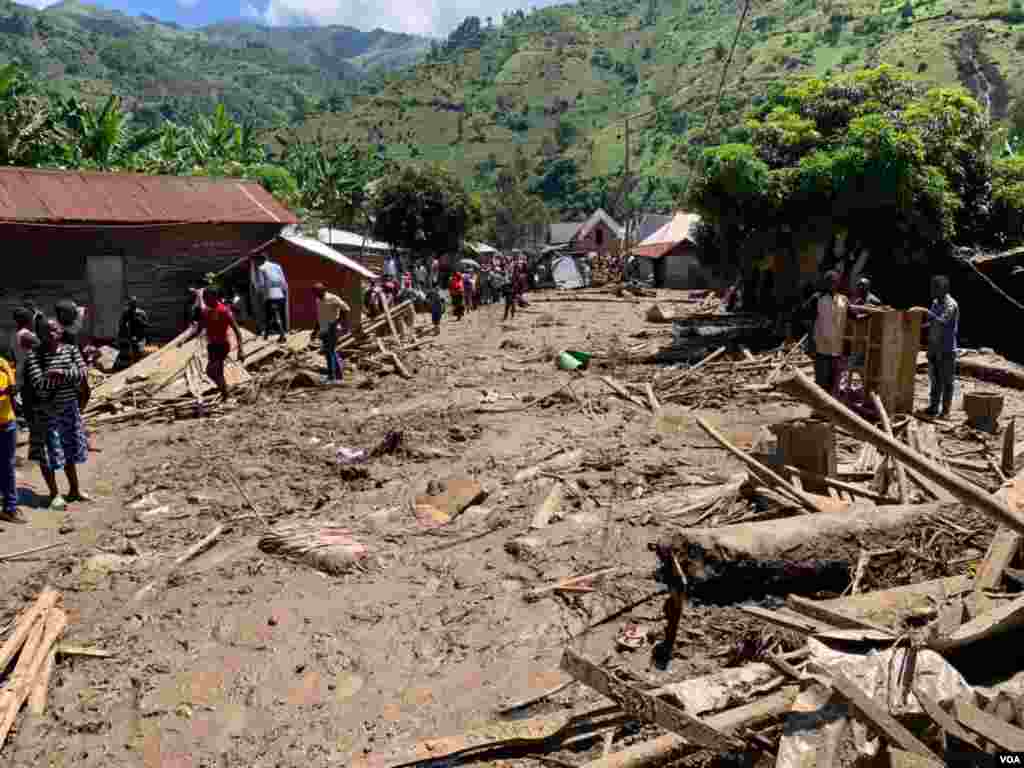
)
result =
(802, 388)
(646, 707)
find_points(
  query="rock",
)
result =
(146, 502)
(474, 514)
(254, 473)
(525, 547)
(144, 515)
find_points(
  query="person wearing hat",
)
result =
(132, 331)
(862, 295)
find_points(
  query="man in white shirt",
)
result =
(273, 288)
(829, 329)
(329, 309)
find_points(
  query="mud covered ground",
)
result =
(247, 659)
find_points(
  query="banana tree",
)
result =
(27, 134)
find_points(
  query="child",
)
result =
(8, 444)
(436, 310)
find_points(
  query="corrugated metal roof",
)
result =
(600, 215)
(325, 251)
(563, 231)
(349, 239)
(676, 231)
(35, 195)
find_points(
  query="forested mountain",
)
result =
(162, 70)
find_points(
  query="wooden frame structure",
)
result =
(882, 349)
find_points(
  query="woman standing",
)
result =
(55, 371)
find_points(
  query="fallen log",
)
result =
(734, 562)
(661, 750)
(800, 387)
(1002, 619)
(1006, 375)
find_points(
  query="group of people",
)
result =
(472, 289)
(830, 308)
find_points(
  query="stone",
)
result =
(525, 547)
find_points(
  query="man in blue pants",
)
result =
(943, 325)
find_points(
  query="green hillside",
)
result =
(545, 93)
(162, 70)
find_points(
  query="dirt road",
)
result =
(250, 660)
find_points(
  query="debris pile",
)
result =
(172, 381)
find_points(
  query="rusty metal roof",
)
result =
(35, 195)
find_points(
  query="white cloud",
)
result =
(188, 3)
(250, 11)
(435, 18)
(40, 4)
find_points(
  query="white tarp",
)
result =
(565, 272)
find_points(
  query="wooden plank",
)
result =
(997, 621)
(829, 615)
(41, 686)
(989, 727)
(16, 692)
(390, 320)
(1001, 550)
(942, 719)
(1009, 438)
(788, 620)
(23, 625)
(656, 752)
(881, 719)
(832, 483)
(646, 707)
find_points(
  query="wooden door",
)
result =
(105, 273)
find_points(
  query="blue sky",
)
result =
(435, 18)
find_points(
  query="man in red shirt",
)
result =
(216, 319)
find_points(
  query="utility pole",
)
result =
(629, 207)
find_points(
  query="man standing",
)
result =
(273, 287)
(71, 318)
(943, 326)
(862, 295)
(829, 328)
(328, 311)
(216, 320)
(131, 333)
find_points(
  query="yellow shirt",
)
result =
(6, 401)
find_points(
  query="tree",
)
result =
(27, 132)
(422, 209)
(898, 168)
(565, 133)
(332, 180)
(511, 217)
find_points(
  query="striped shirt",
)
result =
(54, 398)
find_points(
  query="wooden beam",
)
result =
(989, 727)
(881, 719)
(761, 470)
(648, 754)
(802, 388)
(831, 482)
(901, 472)
(942, 719)
(828, 615)
(646, 707)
